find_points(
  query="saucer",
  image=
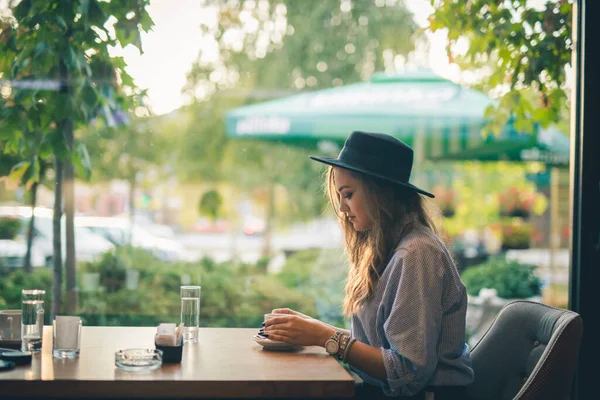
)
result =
(274, 344)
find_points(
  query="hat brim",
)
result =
(334, 162)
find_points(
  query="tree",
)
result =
(130, 147)
(55, 54)
(27, 160)
(27, 168)
(210, 204)
(269, 49)
(520, 52)
(275, 47)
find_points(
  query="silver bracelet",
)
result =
(347, 349)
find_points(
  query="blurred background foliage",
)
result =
(130, 287)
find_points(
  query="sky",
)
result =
(170, 50)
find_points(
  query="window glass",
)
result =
(188, 138)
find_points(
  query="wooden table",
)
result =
(224, 363)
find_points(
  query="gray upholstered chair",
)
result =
(529, 352)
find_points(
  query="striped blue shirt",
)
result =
(416, 315)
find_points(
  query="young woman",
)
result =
(403, 293)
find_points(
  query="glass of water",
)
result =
(32, 320)
(190, 312)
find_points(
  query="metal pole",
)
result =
(554, 235)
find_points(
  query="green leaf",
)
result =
(146, 21)
(87, 69)
(71, 60)
(22, 9)
(83, 61)
(128, 33)
(33, 172)
(118, 62)
(84, 6)
(23, 59)
(520, 125)
(82, 162)
(64, 106)
(37, 19)
(45, 150)
(31, 125)
(83, 9)
(65, 9)
(18, 170)
(528, 126)
(89, 95)
(56, 139)
(126, 79)
(61, 22)
(540, 115)
(96, 14)
(21, 96)
(496, 128)
(489, 111)
(11, 44)
(14, 146)
(40, 49)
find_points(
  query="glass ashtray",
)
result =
(138, 359)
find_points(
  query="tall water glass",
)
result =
(32, 320)
(190, 312)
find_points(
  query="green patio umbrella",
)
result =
(438, 118)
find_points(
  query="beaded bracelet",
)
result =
(347, 349)
(342, 349)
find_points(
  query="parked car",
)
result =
(149, 225)
(160, 230)
(120, 232)
(88, 245)
(254, 226)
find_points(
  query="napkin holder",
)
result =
(171, 353)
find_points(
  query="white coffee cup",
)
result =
(272, 315)
(10, 324)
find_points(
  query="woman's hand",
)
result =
(298, 329)
(289, 312)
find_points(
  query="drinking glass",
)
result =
(66, 335)
(32, 319)
(190, 312)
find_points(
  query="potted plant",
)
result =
(516, 235)
(510, 279)
(445, 199)
(9, 227)
(492, 285)
(516, 202)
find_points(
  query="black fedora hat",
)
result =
(377, 155)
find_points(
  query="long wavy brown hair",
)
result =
(395, 210)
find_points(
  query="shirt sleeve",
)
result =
(412, 327)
